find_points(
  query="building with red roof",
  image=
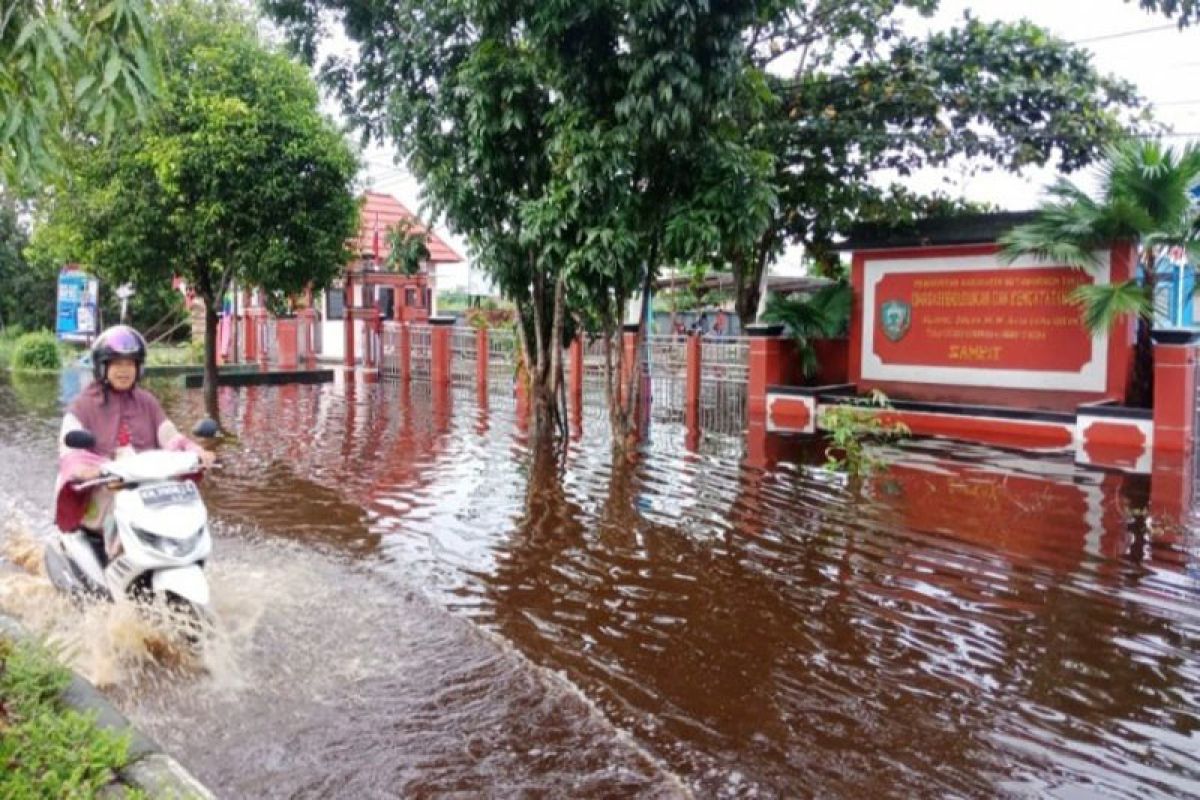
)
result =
(381, 213)
(368, 283)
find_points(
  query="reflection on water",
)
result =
(972, 623)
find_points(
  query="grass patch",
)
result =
(47, 750)
(30, 351)
(37, 351)
(187, 354)
(8, 344)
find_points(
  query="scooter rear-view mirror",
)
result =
(206, 428)
(79, 440)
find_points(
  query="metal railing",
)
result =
(724, 373)
(268, 347)
(420, 342)
(463, 359)
(666, 364)
(595, 387)
(724, 384)
(502, 360)
(389, 362)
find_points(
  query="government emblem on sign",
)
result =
(895, 318)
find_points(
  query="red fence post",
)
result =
(372, 337)
(575, 383)
(265, 321)
(308, 336)
(286, 342)
(405, 353)
(629, 344)
(770, 365)
(1174, 396)
(348, 322)
(481, 361)
(250, 327)
(439, 349)
(691, 398)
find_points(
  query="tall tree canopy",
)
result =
(573, 143)
(68, 68)
(27, 294)
(580, 146)
(235, 175)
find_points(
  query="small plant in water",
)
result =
(851, 426)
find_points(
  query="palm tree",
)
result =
(823, 315)
(1145, 199)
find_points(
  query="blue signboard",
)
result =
(78, 311)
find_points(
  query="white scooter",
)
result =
(157, 533)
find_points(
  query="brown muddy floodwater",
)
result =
(412, 605)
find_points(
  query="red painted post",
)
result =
(286, 342)
(575, 380)
(629, 343)
(264, 353)
(481, 362)
(372, 337)
(691, 398)
(348, 321)
(405, 353)
(250, 316)
(439, 350)
(307, 318)
(1172, 480)
(1174, 397)
(770, 357)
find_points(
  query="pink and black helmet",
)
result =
(119, 341)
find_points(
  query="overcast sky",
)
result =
(1143, 48)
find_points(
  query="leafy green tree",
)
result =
(409, 248)
(27, 291)
(574, 144)
(69, 68)
(864, 98)
(580, 146)
(1145, 198)
(235, 175)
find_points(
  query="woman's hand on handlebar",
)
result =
(86, 473)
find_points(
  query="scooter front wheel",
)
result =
(192, 621)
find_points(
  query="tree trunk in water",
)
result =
(613, 337)
(543, 357)
(1142, 390)
(211, 322)
(745, 289)
(627, 427)
(750, 280)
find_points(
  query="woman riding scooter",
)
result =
(123, 418)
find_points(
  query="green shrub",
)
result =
(851, 426)
(36, 351)
(47, 750)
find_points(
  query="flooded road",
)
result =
(412, 604)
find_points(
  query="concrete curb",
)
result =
(149, 769)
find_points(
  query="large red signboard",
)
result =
(982, 319)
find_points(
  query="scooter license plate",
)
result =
(168, 494)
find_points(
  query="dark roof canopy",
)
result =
(967, 229)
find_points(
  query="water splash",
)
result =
(108, 643)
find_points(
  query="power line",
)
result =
(1124, 34)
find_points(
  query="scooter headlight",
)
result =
(176, 548)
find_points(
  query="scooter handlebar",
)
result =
(106, 479)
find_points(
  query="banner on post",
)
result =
(78, 305)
